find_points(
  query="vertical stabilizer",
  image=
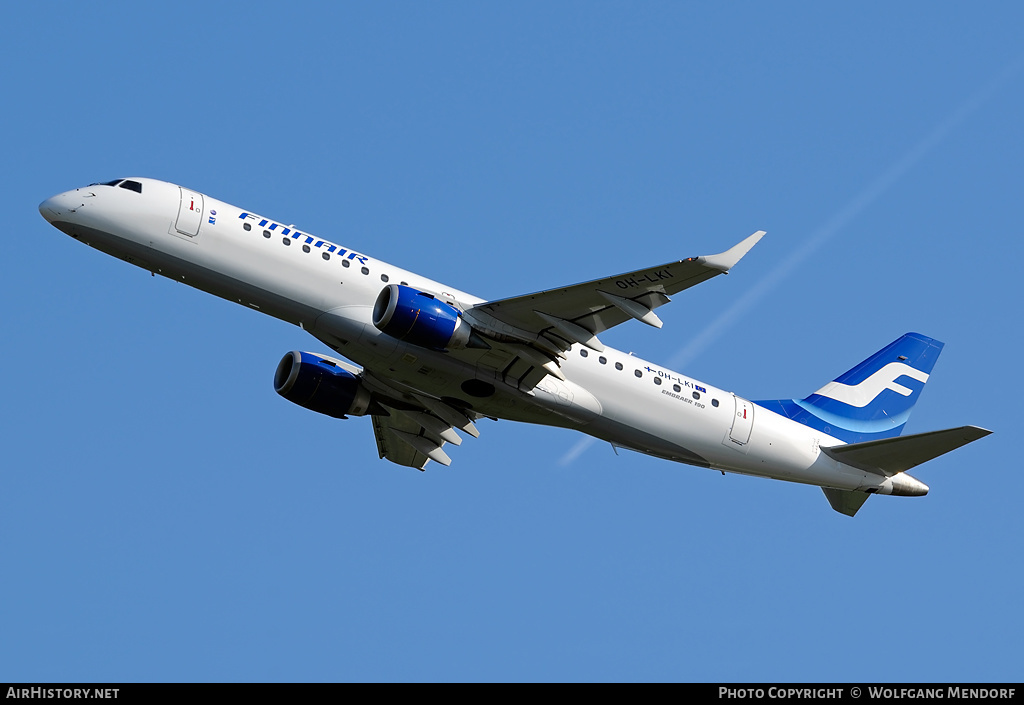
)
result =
(874, 399)
(844, 501)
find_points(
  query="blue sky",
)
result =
(164, 516)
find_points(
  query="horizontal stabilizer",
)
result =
(891, 456)
(845, 501)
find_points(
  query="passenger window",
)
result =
(603, 360)
(618, 365)
(286, 240)
(638, 373)
(383, 277)
(305, 248)
(583, 352)
(246, 227)
(266, 233)
(696, 395)
(714, 402)
(675, 387)
(657, 381)
(326, 256)
(365, 270)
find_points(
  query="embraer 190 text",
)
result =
(435, 359)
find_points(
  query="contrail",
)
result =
(854, 207)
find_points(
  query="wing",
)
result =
(403, 443)
(413, 429)
(576, 314)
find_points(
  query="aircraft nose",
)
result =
(56, 206)
(50, 209)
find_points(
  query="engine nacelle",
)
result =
(320, 384)
(420, 319)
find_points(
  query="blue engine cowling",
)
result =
(420, 319)
(321, 385)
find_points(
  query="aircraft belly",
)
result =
(623, 435)
(238, 279)
(689, 428)
(782, 449)
(640, 418)
(347, 330)
(290, 281)
(137, 253)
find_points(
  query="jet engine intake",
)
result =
(419, 318)
(319, 384)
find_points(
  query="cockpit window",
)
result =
(115, 182)
(132, 186)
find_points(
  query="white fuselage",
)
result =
(329, 291)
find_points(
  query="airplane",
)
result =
(432, 360)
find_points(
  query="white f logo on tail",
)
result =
(863, 393)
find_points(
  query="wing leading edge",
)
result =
(578, 313)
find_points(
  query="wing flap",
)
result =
(411, 428)
(393, 447)
(450, 414)
(414, 436)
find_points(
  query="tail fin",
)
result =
(873, 400)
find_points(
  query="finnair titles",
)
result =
(295, 235)
(431, 361)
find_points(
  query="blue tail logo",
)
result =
(867, 390)
(874, 399)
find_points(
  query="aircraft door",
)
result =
(742, 422)
(190, 213)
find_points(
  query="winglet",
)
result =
(728, 259)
